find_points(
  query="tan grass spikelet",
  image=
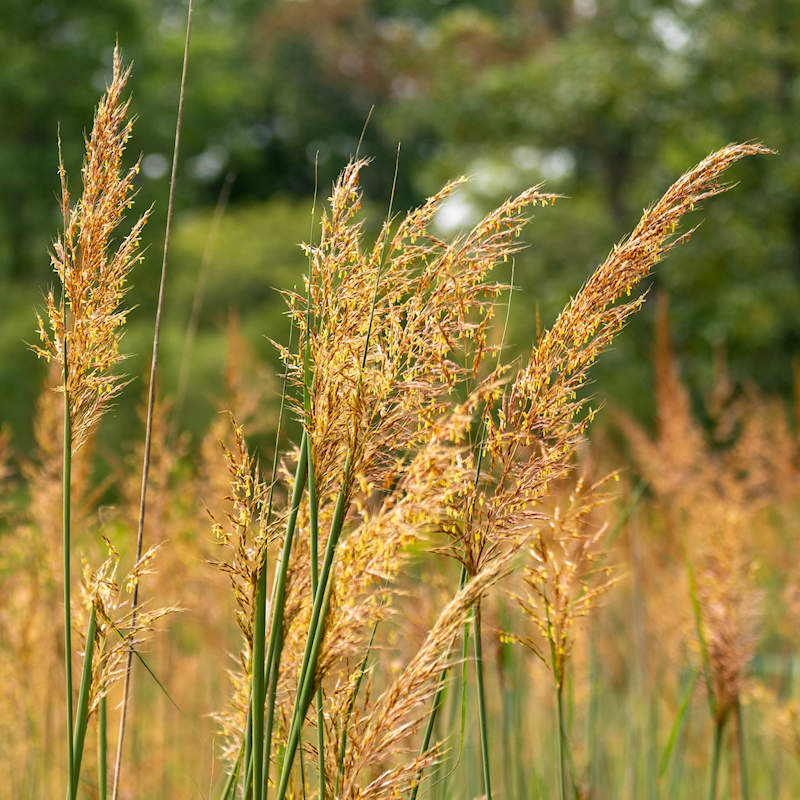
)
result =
(430, 299)
(91, 267)
(376, 548)
(118, 628)
(567, 575)
(242, 533)
(534, 425)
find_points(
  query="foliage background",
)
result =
(605, 100)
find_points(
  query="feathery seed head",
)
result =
(82, 331)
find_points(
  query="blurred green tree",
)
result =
(606, 100)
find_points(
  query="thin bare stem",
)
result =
(151, 401)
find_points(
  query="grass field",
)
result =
(442, 577)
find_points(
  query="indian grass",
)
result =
(388, 336)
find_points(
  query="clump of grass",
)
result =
(388, 335)
(418, 441)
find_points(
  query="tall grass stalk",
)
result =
(229, 790)
(313, 499)
(151, 402)
(437, 698)
(426, 739)
(313, 502)
(562, 744)
(262, 743)
(678, 724)
(256, 726)
(482, 716)
(66, 512)
(272, 678)
(303, 699)
(701, 637)
(197, 301)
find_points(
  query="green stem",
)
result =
(437, 698)
(322, 595)
(303, 699)
(276, 628)
(313, 502)
(272, 677)
(443, 766)
(719, 726)
(65, 507)
(246, 750)
(701, 637)
(302, 769)
(267, 752)
(248, 780)
(562, 772)
(233, 778)
(745, 789)
(257, 699)
(102, 750)
(487, 778)
(558, 675)
(82, 719)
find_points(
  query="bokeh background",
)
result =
(607, 101)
